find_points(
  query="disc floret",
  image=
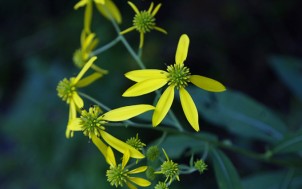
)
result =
(179, 75)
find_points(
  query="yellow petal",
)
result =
(88, 41)
(126, 157)
(79, 4)
(156, 9)
(110, 10)
(126, 112)
(133, 7)
(138, 170)
(182, 49)
(84, 69)
(75, 125)
(72, 110)
(88, 17)
(151, 7)
(160, 29)
(145, 87)
(141, 75)
(127, 30)
(110, 158)
(189, 108)
(140, 181)
(121, 146)
(163, 105)
(100, 145)
(89, 79)
(100, 1)
(207, 84)
(77, 100)
(131, 186)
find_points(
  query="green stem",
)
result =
(106, 47)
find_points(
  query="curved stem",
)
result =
(105, 47)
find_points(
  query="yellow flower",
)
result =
(144, 21)
(118, 174)
(106, 7)
(177, 76)
(93, 124)
(88, 43)
(67, 90)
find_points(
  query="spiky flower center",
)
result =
(66, 89)
(200, 165)
(170, 169)
(161, 185)
(144, 22)
(179, 75)
(136, 143)
(117, 175)
(91, 121)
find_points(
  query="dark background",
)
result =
(231, 41)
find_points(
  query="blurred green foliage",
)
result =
(232, 40)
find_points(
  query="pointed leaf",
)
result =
(126, 112)
(225, 172)
(290, 144)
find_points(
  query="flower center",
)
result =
(117, 176)
(91, 121)
(66, 90)
(144, 22)
(170, 169)
(179, 75)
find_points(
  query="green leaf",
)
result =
(225, 172)
(289, 144)
(290, 72)
(175, 145)
(240, 114)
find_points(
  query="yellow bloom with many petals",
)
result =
(118, 174)
(67, 90)
(144, 21)
(106, 7)
(177, 76)
(93, 124)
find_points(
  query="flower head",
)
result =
(144, 21)
(161, 185)
(177, 76)
(169, 169)
(118, 174)
(93, 124)
(136, 143)
(67, 90)
(200, 166)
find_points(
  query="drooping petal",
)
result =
(127, 30)
(126, 112)
(144, 87)
(163, 106)
(131, 186)
(160, 29)
(133, 7)
(100, 145)
(75, 124)
(84, 69)
(79, 4)
(141, 75)
(110, 158)
(110, 10)
(182, 49)
(88, 41)
(77, 100)
(72, 110)
(140, 181)
(138, 170)
(126, 157)
(207, 84)
(121, 146)
(156, 9)
(100, 1)
(88, 16)
(89, 79)
(189, 108)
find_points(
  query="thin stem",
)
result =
(94, 101)
(106, 47)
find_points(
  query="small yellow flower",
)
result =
(144, 21)
(177, 76)
(67, 90)
(118, 174)
(106, 7)
(88, 43)
(93, 124)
